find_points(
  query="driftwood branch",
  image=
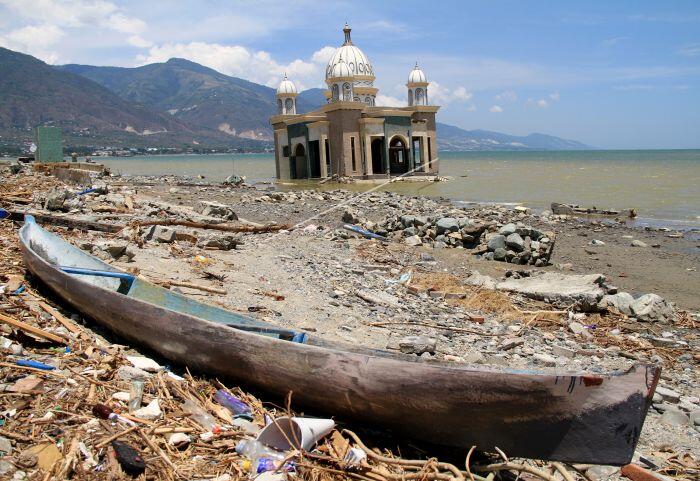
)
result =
(220, 227)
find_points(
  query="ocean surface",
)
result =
(663, 185)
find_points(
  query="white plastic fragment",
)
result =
(144, 363)
(150, 412)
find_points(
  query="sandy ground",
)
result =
(671, 270)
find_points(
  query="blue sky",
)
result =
(622, 74)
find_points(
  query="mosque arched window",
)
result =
(289, 106)
(410, 97)
(419, 96)
(336, 92)
(279, 106)
(347, 93)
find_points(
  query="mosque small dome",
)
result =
(340, 69)
(417, 75)
(286, 87)
(354, 58)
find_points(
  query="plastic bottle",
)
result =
(199, 415)
(254, 450)
(232, 403)
(135, 394)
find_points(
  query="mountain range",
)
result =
(177, 103)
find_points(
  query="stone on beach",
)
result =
(417, 345)
(651, 308)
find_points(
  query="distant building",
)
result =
(48, 144)
(350, 135)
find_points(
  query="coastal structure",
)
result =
(350, 135)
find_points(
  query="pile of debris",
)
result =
(514, 243)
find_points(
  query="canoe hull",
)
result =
(583, 418)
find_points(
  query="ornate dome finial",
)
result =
(346, 31)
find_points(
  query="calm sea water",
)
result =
(661, 185)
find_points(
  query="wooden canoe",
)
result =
(571, 209)
(584, 418)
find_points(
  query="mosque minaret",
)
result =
(350, 136)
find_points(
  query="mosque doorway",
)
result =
(315, 157)
(298, 163)
(377, 157)
(398, 156)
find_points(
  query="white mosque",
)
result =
(350, 135)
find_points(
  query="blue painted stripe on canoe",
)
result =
(4, 213)
(98, 273)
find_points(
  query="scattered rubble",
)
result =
(383, 295)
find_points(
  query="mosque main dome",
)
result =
(350, 64)
(354, 58)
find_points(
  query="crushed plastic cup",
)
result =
(287, 433)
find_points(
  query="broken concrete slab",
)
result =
(620, 302)
(584, 290)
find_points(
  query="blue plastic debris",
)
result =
(34, 364)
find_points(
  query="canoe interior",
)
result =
(57, 252)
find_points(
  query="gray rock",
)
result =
(5, 447)
(579, 329)
(620, 301)
(511, 343)
(350, 216)
(410, 231)
(497, 242)
(675, 417)
(601, 472)
(668, 395)
(408, 220)
(56, 199)
(562, 351)
(500, 254)
(638, 243)
(413, 240)
(507, 230)
(417, 345)
(115, 250)
(515, 242)
(652, 308)
(164, 234)
(694, 418)
(479, 280)
(596, 242)
(447, 224)
(215, 209)
(221, 242)
(545, 359)
(127, 373)
(6, 469)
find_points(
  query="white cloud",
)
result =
(460, 93)
(323, 55)
(439, 95)
(471, 108)
(690, 50)
(238, 61)
(50, 17)
(542, 103)
(389, 101)
(35, 40)
(138, 41)
(554, 96)
(497, 109)
(507, 96)
(611, 42)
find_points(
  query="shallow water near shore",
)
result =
(663, 186)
